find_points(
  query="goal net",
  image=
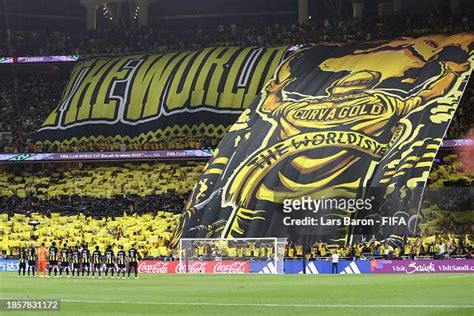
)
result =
(236, 255)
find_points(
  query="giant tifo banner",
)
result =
(144, 98)
(337, 147)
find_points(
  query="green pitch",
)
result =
(441, 294)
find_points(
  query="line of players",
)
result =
(78, 259)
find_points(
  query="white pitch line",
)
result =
(461, 276)
(272, 304)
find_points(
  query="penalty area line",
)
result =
(271, 304)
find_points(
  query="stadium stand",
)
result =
(462, 120)
(140, 203)
(101, 182)
(202, 144)
(449, 173)
(437, 246)
(447, 206)
(149, 232)
(24, 104)
(130, 202)
(113, 41)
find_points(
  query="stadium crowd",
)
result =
(99, 191)
(130, 204)
(437, 246)
(447, 202)
(176, 142)
(462, 121)
(25, 101)
(140, 203)
(24, 104)
(114, 41)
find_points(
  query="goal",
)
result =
(236, 255)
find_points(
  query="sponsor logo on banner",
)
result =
(156, 266)
(311, 268)
(291, 267)
(9, 265)
(351, 269)
(224, 266)
(192, 267)
(344, 267)
(269, 268)
(422, 266)
(232, 267)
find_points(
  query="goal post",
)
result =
(234, 255)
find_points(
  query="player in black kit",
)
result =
(121, 260)
(31, 260)
(76, 260)
(65, 253)
(96, 261)
(22, 265)
(86, 260)
(109, 261)
(133, 258)
(53, 259)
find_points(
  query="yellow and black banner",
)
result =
(144, 98)
(337, 147)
